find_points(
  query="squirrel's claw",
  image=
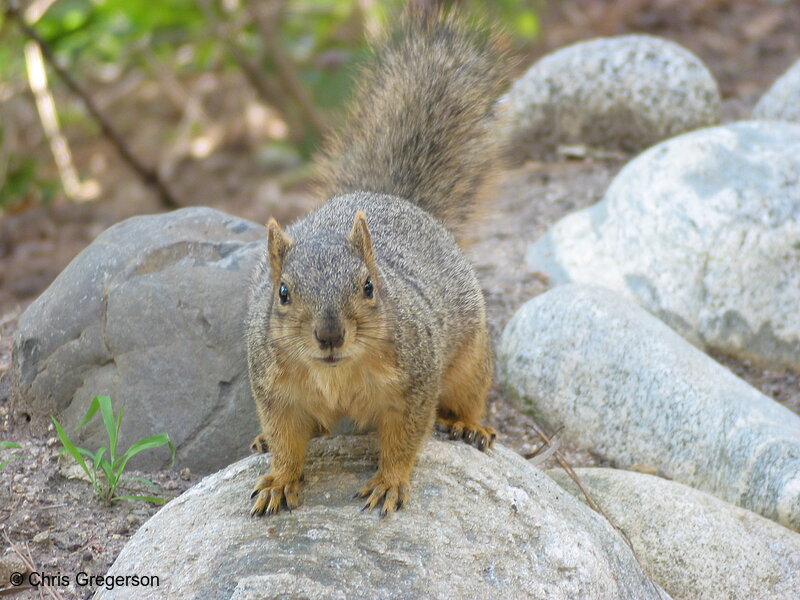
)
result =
(392, 496)
(475, 434)
(271, 493)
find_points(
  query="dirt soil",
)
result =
(58, 521)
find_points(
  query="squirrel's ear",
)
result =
(361, 239)
(277, 245)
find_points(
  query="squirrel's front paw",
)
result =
(393, 493)
(271, 492)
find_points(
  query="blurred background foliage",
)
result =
(297, 56)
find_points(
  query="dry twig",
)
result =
(27, 559)
(548, 440)
(59, 147)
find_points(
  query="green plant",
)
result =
(104, 467)
(9, 446)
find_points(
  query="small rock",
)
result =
(42, 536)
(782, 101)
(88, 556)
(72, 470)
(67, 540)
(10, 563)
(622, 93)
(186, 474)
(627, 387)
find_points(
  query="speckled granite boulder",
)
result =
(692, 544)
(703, 231)
(477, 526)
(781, 102)
(151, 314)
(620, 93)
(624, 385)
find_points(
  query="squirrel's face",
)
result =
(326, 305)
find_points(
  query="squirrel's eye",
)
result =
(368, 288)
(283, 294)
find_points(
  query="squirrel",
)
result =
(366, 307)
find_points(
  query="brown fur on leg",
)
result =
(401, 435)
(287, 435)
(466, 382)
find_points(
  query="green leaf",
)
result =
(118, 424)
(98, 457)
(86, 453)
(110, 423)
(3, 463)
(153, 441)
(111, 477)
(93, 406)
(153, 499)
(10, 445)
(73, 450)
(105, 459)
(145, 481)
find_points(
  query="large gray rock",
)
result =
(621, 93)
(627, 387)
(692, 544)
(151, 314)
(781, 102)
(478, 525)
(704, 232)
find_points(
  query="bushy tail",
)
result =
(424, 125)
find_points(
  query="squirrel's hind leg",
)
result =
(259, 444)
(465, 383)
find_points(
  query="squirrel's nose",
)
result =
(329, 336)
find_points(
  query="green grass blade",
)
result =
(152, 441)
(110, 423)
(93, 406)
(3, 463)
(119, 422)
(88, 454)
(108, 471)
(73, 450)
(9, 446)
(144, 480)
(153, 499)
(98, 457)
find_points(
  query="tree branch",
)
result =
(268, 16)
(266, 88)
(149, 175)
